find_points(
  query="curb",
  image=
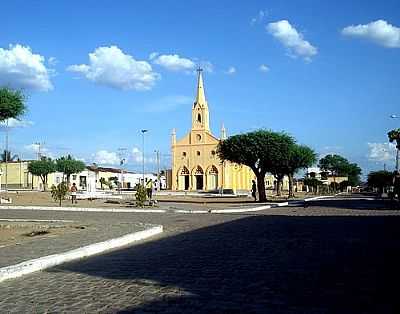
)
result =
(85, 209)
(45, 262)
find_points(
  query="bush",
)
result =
(59, 192)
(140, 196)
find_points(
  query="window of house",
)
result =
(198, 153)
(184, 154)
(74, 177)
(198, 137)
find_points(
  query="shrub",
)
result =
(140, 196)
(59, 192)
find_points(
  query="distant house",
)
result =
(18, 177)
(326, 177)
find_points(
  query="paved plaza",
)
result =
(335, 256)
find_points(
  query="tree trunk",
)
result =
(60, 201)
(261, 187)
(278, 184)
(43, 178)
(291, 190)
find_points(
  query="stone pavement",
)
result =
(260, 263)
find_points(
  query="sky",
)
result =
(97, 72)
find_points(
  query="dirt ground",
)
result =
(13, 232)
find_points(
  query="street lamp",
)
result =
(143, 132)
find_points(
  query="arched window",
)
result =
(199, 117)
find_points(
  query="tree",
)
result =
(260, 150)
(300, 157)
(69, 165)
(313, 183)
(42, 168)
(394, 136)
(12, 103)
(337, 165)
(59, 192)
(6, 156)
(380, 179)
(102, 182)
(140, 195)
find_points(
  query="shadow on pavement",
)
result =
(358, 204)
(266, 264)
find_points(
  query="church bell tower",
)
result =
(200, 114)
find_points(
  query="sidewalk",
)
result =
(44, 245)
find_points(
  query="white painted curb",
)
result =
(42, 263)
(239, 210)
(85, 209)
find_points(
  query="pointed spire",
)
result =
(223, 132)
(200, 96)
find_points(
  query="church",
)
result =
(195, 163)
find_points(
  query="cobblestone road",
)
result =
(227, 264)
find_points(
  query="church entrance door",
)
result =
(199, 178)
(199, 182)
(186, 183)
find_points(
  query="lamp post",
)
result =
(395, 116)
(143, 133)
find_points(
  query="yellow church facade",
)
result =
(195, 163)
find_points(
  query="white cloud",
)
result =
(292, 39)
(379, 32)
(153, 55)
(137, 156)
(174, 62)
(259, 18)
(52, 61)
(381, 151)
(104, 157)
(207, 66)
(34, 148)
(231, 70)
(111, 67)
(20, 68)
(263, 68)
(15, 123)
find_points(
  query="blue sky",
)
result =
(326, 72)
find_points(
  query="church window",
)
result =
(213, 153)
(198, 137)
(184, 154)
(198, 153)
(199, 117)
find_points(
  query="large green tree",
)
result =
(12, 103)
(42, 168)
(68, 165)
(380, 179)
(300, 157)
(337, 165)
(260, 150)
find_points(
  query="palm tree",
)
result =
(6, 156)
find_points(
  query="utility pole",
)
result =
(143, 133)
(39, 150)
(122, 154)
(158, 169)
